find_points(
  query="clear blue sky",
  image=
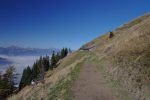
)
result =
(63, 23)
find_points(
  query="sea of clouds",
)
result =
(19, 62)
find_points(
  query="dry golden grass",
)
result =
(125, 58)
(132, 52)
(43, 88)
(134, 22)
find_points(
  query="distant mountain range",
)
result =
(2, 58)
(20, 51)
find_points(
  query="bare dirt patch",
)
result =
(90, 85)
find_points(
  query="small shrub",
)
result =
(111, 34)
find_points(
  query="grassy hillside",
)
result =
(126, 56)
(123, 59)
(44, 88)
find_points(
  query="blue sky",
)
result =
(63, 23)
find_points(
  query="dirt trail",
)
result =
(89, 85)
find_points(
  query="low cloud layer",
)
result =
(19, 62)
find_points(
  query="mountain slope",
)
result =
(122, 60)
(126, 56)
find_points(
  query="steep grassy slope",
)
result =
(126, 56)
(124, 61)
(43, 90)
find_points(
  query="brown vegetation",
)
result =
(123, 60)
